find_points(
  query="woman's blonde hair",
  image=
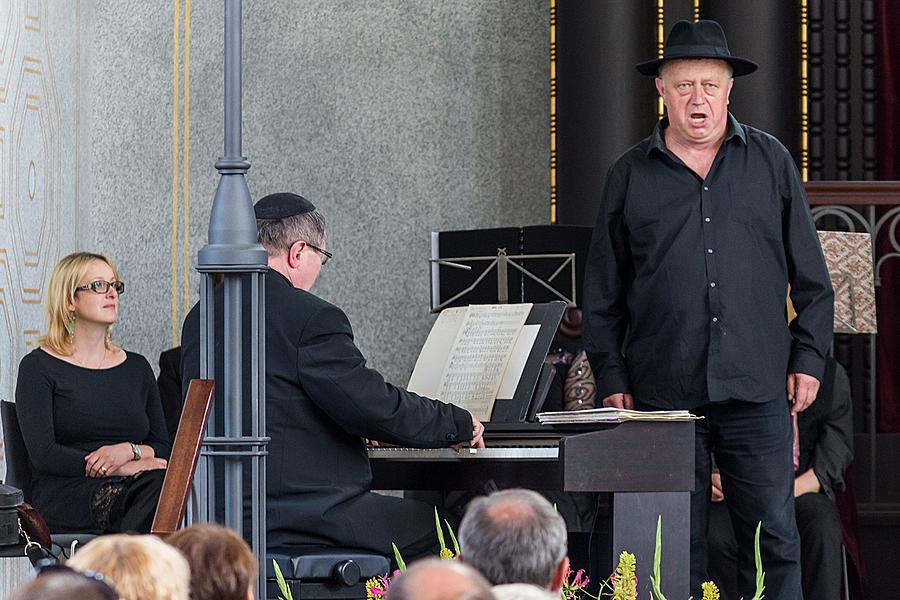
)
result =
(140, 567)
(61, 292)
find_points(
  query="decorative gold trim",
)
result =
(185, 189)
(553, 197)
(660, 44)
(696, 10)
(176, 107)
(181, 102)
(804, 90)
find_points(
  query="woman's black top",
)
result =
(66, 412)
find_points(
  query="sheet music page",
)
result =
(517, 360)
(426, 376)
(479, 355)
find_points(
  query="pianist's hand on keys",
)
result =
(476, 442)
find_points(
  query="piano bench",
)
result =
(325, 572)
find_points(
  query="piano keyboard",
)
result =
(496, 453)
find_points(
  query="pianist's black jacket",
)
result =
(321, 400)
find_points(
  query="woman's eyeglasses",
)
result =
(50, 566)
(101, 287)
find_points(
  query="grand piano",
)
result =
(647, 467)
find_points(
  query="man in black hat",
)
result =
(702, 227)
(322, 400)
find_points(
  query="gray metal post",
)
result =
(232, 250)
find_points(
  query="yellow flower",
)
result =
(446, 554)
(624, 579)
(710, 591)
(376, 587)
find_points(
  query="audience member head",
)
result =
(222, 565)
(293, 234)
(66, 277)
(515, 536)
(59, 582)
(436, 579)
(140, 567)
(523, 591)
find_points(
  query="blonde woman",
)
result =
(140, 567)
(89, 411)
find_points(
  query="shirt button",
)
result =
(712, 284)
(706, 219)
(705, 188)
(715, 319)
(709, 250)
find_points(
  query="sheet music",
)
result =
(613, 415)
(479, 356)
(426, 376)
(517, 360)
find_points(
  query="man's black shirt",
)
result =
(686, 280)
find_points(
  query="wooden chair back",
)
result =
(185, 454)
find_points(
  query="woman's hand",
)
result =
(135, 466)
(103, 461)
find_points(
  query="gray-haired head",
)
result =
(435, 579)
(283, 218)
(514, 536)
(277, 235)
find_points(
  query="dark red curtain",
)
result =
(888, 295)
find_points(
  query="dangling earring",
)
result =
(70, 327)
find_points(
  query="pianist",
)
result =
(322, 401)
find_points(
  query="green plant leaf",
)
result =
(282, 584)
(452, 538)
(760, 575)
(440, 530)
(400, 564)
(657, 556)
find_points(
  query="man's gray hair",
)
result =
(277, 235)
(513, 536)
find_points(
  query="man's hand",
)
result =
(807, 483)
(619, 401)
(477, 434)
(801, 391)
(717, 495)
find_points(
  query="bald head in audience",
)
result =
(436, 579)
(523, 591)
(515, 536)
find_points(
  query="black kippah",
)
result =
(282, 205)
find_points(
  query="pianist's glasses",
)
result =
(325, 254)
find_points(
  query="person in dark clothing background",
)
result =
(702, 228)
(169, 383)
(825, 452)
(89, 411)
(322, 400)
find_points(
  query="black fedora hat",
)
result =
(703, 39)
